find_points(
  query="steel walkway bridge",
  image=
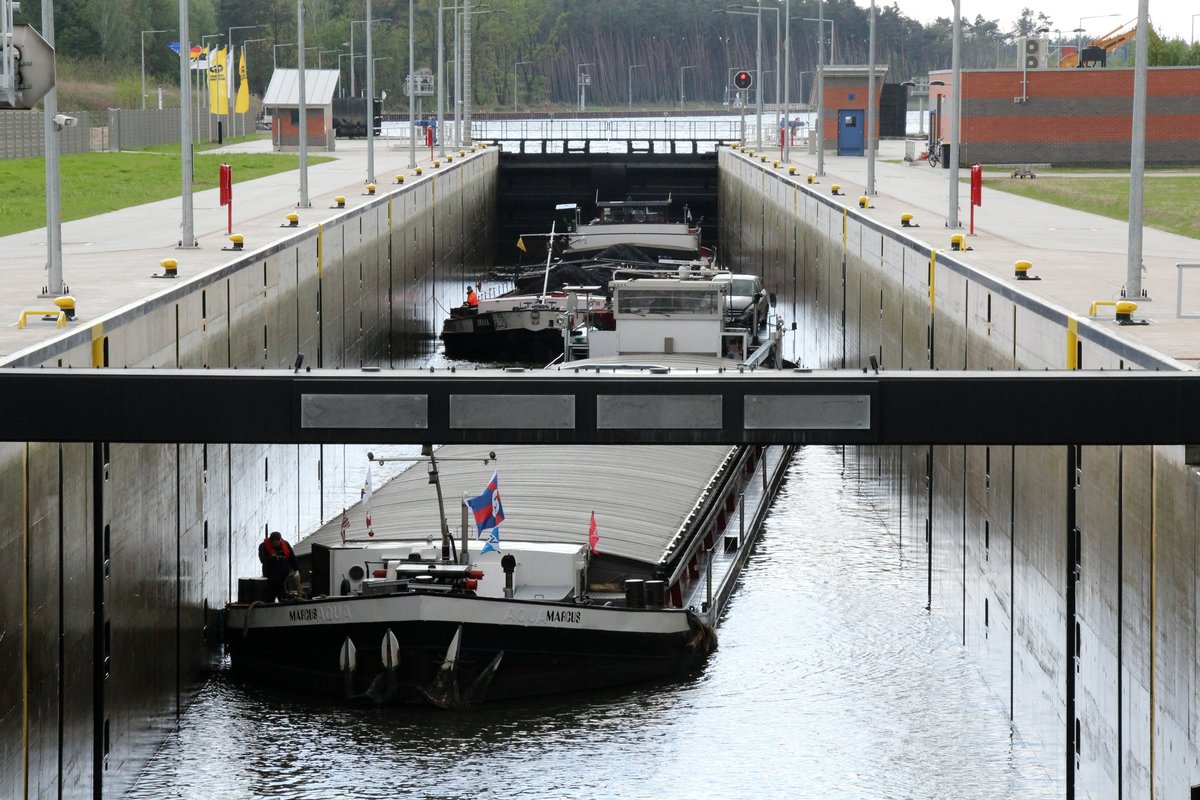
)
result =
(656, 406)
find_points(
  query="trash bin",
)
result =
(945, 155)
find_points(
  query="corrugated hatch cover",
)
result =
(641, 494)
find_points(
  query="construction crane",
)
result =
(1096, 52)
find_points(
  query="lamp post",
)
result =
(354, 22)
(582, 79)
(244, 45)
(786, 129)
(187, 235)
(1137, 157)
(303, 103)
(832, 34)
(632, 67)
(412, 95)
(820, 126)
(956, 93)
(1079, 40)
(515, 65)
(871, 106)
(341, 89)
(275, 53)
(1193, 39)
(370, 97)
(181, 49)
(922, 88)
(230, 67)
(756, 11)
(681, 69)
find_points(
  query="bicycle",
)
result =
(935, 153)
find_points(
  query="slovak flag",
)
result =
(488, 511)
(593, 534)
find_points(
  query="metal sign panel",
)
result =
(27, 71)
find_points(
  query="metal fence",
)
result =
(22, 134)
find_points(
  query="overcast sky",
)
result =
(1170, 17)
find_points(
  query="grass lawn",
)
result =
(93, 183)
(1170, 202)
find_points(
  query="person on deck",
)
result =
(472, 297)
(278, 563)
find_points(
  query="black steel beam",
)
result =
(547, 407)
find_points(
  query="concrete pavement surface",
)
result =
(1080, 257)
(108, 260)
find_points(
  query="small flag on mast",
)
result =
(345, 524)
(593, 535)
(367, 491)
(521, 244)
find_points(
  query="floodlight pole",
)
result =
(1137, 160)
(871, 107)
(54, 266)
(304, 203)
(956, 93)
(412, 94)
(187, 231)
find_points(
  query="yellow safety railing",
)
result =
(58, 315)
(1098, 303)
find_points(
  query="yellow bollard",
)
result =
(170, 268)
(417, 170)
(958, 242)
(835, 188)
(339, 202)
(67, 304)
(791, 170)
(812, 178)
(436, 163)
(293, 220)
(399, 179)
(864, 202)
(906, 221)
(1021, 270)
(237, 241)
(370, 188)
(1125, 309)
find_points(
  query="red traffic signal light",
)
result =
(742, 80)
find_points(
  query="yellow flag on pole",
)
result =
(218, 89)
(243, 88)
(521, 244)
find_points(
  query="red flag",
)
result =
(593, 536)
(345, 524)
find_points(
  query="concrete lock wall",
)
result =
(1070, 574)
(130, 549)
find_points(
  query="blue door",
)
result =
(851, 128)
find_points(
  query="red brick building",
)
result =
(1071, 116)
(846, 89)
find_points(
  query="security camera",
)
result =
(63, 121)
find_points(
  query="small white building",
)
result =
(282, 102)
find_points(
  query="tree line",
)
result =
(651, 52)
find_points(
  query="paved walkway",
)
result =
(108, 259)
(1080, 257)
